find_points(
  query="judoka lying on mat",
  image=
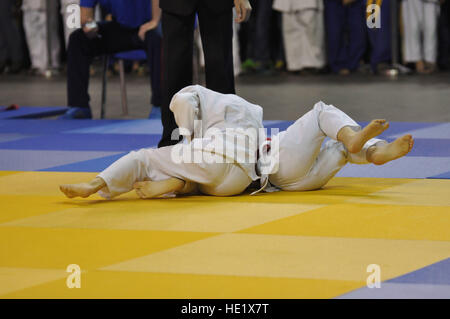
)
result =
(298, 160)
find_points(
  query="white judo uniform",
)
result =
(35, 25)
(224, 173)
(303, 32)
(420, 20)
(305, 163)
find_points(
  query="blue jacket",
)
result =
(129, 13)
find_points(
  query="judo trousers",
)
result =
(304, 164)
(420, 19)
(217, 179)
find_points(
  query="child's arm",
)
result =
(152, 189)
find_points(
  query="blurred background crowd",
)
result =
(298, 36)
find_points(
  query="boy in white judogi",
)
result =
(303, 33)
(223, 120)
(420, 20)
(305, 163)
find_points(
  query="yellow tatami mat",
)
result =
(280, 245)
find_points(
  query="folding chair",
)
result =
(138, 55)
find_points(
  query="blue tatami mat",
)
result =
(445, 175)
(401, 291)
(435, 274)
(53, 145)
(92, 165)
(31, 112)
(431, 282)
(83, 142)
(41, 127)
(34, 160)
(151, 126)
(406, 167)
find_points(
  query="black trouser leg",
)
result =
(217, 37)
(11, 45)
(444, 36)
(178, 41)
(277, 36)
(3, 50)
(80, 53)
(113, 38)
(263, 21)
(153, 48)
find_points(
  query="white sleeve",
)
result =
(185, 107)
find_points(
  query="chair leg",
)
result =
(104, 86)
(123, 88)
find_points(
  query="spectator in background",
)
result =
(444, 36)
(246, 36)
(268, 38)
(35, 25)
(134, 27)
(303, 32)
(11, 49)
(216, 29)
(420, 18)
(380, 38)
(346, 34)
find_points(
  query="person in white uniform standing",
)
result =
(35, 25)
(420, 20)
(221, 132)
(303, 33)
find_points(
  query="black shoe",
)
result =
(264, 70)
(77, 113)
(15, 67)
(309, 71)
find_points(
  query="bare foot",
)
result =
(420, 67)
(354, 142)
(83, 190)
(381, 154)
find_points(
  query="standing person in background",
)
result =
(380, 38)
(420, 18)
(346, 34)
(11, 49)
(444, 36)
(246, 38)
(268, 38)
(303, 32)
(35, 25)
(134, 27)
(216, 29)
